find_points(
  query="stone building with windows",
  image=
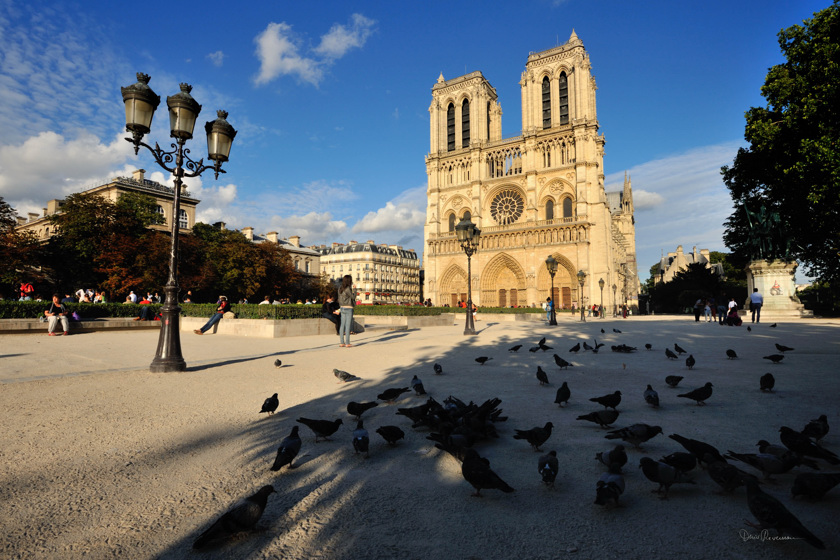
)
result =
(306, 260)
(382, 274)
(679, 260)
(537, 194)
(43, 229)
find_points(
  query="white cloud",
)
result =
(644, 200)
(279, 50)
(392, 217)
(278, 54)
(217, 58)
(341, 39)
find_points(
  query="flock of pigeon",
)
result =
(456, 427)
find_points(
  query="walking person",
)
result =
(698, 308)
(756, 301)
(707, 311)
(346, 302)
(57, 312)
(223, 308)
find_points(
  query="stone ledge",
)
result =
(266, 328)
(23, 326)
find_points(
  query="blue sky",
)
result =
(331, 101)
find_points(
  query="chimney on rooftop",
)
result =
(248, 232)
(295, 240)
(139, 175)
(33, 216)
(271, 236)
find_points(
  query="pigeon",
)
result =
(609, 401)
(242, 517)
(586, 346)
(535, 436)
(730, 354)
(609, 487)
(679, 349)
(690, 361)
(700, 394)
(749, 329)
(561, 363)
(781, 348)
(651, 397)
(729, 477)
(767, 382)
(775, 358)
(601, 417)
(343, 376)
(542, 376)
(483, 360)
(673, 380)
(615, 457)
(541, 342)
(782, 452)
(270, 404)
(603, 331)
(616, 331)
(597, 346)
(670, 355)
(288, 450)
(563, 394)
(765, 462)
(361, 439)
(680, 460)
(390, 434)
(772, 514)
(533, 349)
(357, 409)
(390, 395)
(802, 444)
(648, 346)
(816, 429)
(698, 448)
(636, 434)
(543, 347)
(515, 348)
(438, 369)
(547, 467)
(279, 364)
(773, 326)
(417, 385)
(814, 486)
(321, 428)
(575, 348)
(476, 470)
(663, 474)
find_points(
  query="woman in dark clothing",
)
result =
(330, 311)
(346, 302)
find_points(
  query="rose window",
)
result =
(506, 207)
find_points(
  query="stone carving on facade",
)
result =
(457, 202)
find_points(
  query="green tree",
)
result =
(792, 165)
(20, 252)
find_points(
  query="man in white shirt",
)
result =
(756, 301)
(266, 301)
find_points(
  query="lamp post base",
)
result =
(553, 320)
(168, 357)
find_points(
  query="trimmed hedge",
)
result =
(10, 309)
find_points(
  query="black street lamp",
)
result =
(615, 303)
(581, 275)
(551, 265)
(601, 285)
(468, 236)
(140, 105)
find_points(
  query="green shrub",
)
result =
(398, 310)
(33, 309)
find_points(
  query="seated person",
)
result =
(146, 313)
(330, 310)
(733, 320)
(57, 312)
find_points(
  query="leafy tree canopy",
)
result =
(19, 252)
(792, 165)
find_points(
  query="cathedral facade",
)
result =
(537, 194)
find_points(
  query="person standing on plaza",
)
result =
(549, 305)
(707, 311)
(57, 312)
(346, 302)
(223, 308)
(756, 301)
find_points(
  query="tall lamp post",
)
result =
(140, 105)
(615, 303)
(581, 275)
(468, 236)
(601, 285)
(551, 265)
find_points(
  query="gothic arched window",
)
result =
(450, 127)
(467, 215)
(549, 210)
(546, 102)
(465, 124)
(451, 222)
(563, 91)
(567, 207)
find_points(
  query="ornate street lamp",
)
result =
(551, 265)
(140, 105)
(615, 303)
(468, 236)
(601, 285)
(581, 275)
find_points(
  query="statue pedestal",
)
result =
(775, 282)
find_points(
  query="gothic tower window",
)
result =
(546, 102)
(488, 121)
(452, 222)
(549, 210)
(564, 99)
(567, 207)
(465, 124)
(450, 127)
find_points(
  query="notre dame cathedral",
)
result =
(537, 194)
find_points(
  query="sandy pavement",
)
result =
(101, 459)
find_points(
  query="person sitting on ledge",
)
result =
(57, 312)
(146, 313)
(223, 308)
